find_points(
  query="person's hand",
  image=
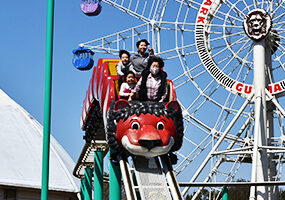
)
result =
(150, 50)
(131, 96)
(133, 91)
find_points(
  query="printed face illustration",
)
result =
(256, 24)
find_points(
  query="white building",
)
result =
(21, 139)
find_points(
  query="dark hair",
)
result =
(155, 59)
(126, 74)
(121, 52)
(124, 78)
(143, 40)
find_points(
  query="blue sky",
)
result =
(23, 35)
(23, 31)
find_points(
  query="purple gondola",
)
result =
(91, 7)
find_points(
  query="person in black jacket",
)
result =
(152, 85)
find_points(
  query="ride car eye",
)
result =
(135, 125)
(160, 126)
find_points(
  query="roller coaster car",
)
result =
(140, 128)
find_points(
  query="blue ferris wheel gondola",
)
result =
(83, 58)
(91, 7)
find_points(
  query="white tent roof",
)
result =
(21, 139)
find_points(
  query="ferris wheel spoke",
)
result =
(228, 16)
(202, 126)
(233, 57)
(179, 11)
(129, 11)
(226, 36)
(255, 3)
(234, 8)
(281, 124)
(221, 114)
(186, 72)
(199, 96)
(230, 146)
(270, 76)
(193, 154)
(207, 97)
(226, 26)
(262, 4)
(228, 106)
(183, 83)
(191, 142)
(277, 19)
(246, 5)
(179, 23)
(279, 24)
(280, 31)
(282, 49)
(228, 20)
(186, 16)
(242, 77)
(189, 3)
(243, 66)
(280, 63)
(177, 49)
(273, 6)
(155, 14)
(275, 10)
(239, 41)
(199, 74)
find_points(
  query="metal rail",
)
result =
(221, 184)
(136, 189)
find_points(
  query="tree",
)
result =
(204, 195)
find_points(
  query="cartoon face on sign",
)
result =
(145, 128)
(257, 24)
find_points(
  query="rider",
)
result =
(152, 85)
(139, 60)
(124, 66)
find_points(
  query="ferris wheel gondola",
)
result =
(91, 7)
(83, 58)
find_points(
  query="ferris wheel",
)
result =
(233, 109)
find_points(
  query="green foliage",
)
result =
(204, 195)
(234, 193)
(282, 195)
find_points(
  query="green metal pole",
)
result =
(98, 175)
(47, 100)
(82, 188)
(225, 193)
(115, 180)
(88, 184)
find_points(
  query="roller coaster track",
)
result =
(148, 180)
